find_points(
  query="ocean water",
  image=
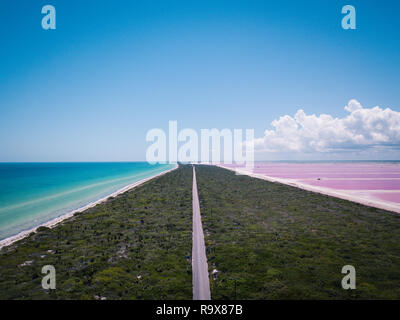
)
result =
(34, 193)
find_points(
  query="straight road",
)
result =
(201, 283)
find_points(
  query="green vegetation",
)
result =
(133, 246)
(268, 240)
(280, 242)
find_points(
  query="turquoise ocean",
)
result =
(34, 193)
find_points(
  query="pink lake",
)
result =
(370, 182)
(392, 197)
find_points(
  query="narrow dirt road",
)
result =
(201, 283)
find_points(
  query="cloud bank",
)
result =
(361, 129)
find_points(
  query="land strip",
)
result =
(272, 241)
(136, 245)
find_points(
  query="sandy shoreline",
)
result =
(54, 222)
(337, 194)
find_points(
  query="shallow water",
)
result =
(34, 193)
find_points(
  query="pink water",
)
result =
(353, 184)
(378, 181)
(391, 197)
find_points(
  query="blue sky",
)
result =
(112, 70)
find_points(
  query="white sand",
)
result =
(329, 192)
(54, 222)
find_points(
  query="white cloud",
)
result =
(362, 128)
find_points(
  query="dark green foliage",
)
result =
(133, 246)
(280, 242)
(268, 240)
